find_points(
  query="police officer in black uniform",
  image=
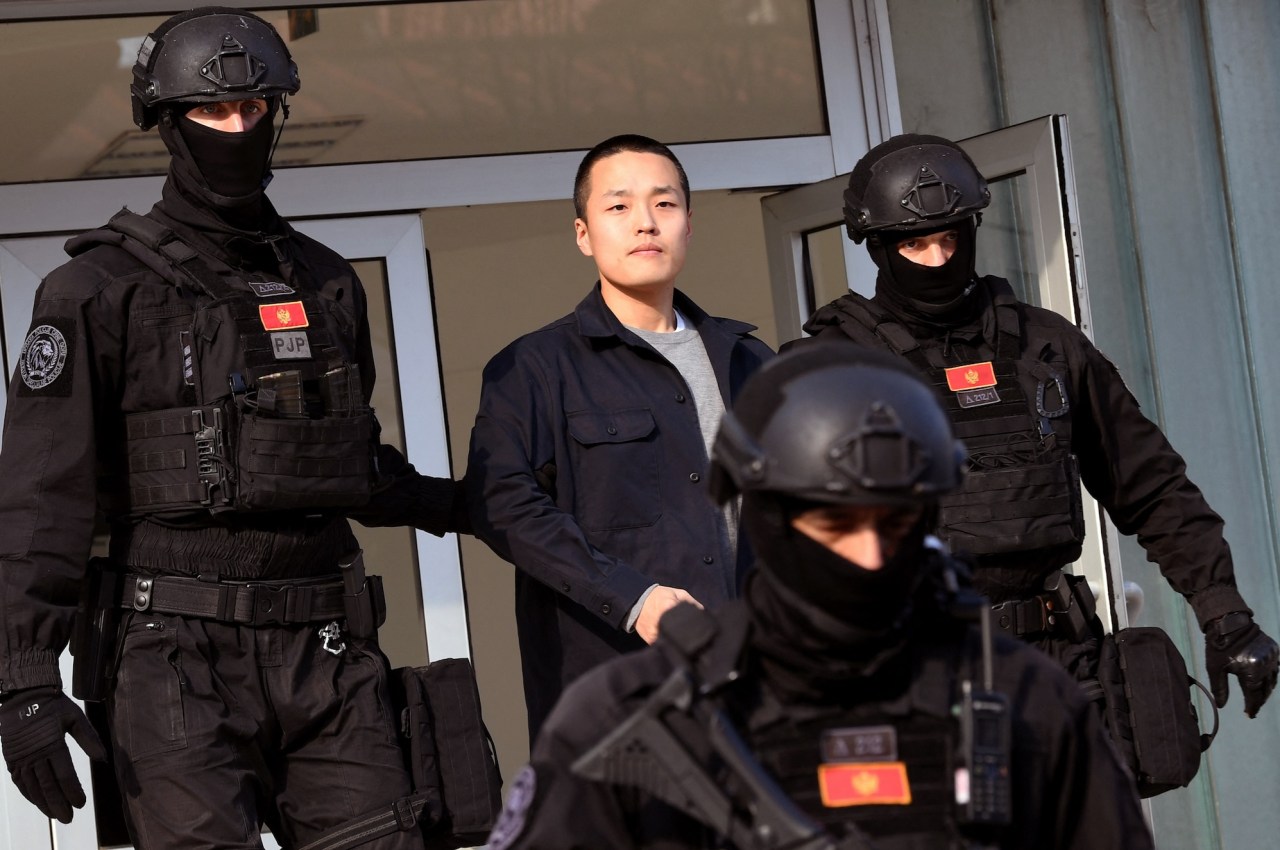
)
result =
(1041, 410)
(199, 379)
(850, 671)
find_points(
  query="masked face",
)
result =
(930, 267)
(223, 150)
(860, 564)
(867, 537)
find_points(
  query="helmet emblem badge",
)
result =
(930, 196)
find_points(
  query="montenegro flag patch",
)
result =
(865, 784)
(281, 317)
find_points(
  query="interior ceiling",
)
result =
(418, 81)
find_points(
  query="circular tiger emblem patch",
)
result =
(43, 356)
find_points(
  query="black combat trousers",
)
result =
(220, 728)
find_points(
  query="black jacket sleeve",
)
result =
(512, 445)
(402, 496)
(62, 391)
(1129, 466)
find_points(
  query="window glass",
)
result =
(426, 80)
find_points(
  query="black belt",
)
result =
(1021, 617)
(251, 603)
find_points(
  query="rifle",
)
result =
(645, 752)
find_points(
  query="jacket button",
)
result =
(695, 477)
(611, 430)
(707, 559)
(606, 608)
(680, 397)
(564, 585)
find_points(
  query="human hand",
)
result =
(1234, 644)
(661, 600)
(33, 728)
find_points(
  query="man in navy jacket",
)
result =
(591, 441)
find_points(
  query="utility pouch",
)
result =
(451, 760)
(1149, 709)
(290, 463)
(363, 601)
(450, 750)
(95, 637)
(1071, 605)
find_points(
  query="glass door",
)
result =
(1029, 236)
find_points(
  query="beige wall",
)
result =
(504, 270)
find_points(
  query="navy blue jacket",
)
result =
(587, 472)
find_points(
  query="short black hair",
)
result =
(625, 143)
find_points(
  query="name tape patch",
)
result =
(860, 743)
(290, 345)
(978, 398)
(268, 288)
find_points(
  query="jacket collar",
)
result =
(596, 320)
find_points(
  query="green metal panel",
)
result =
(1173, 118)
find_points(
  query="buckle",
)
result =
(404, 813)
(1021, 617)
(268, 604)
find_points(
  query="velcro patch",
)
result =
(47, 357)
(270, 288)
(971, 377)
(859, 744)
(865, 784)
(978, 398)
(280, 317)
(290, 345)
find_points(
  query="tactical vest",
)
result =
(925, 734)
(278, 419)
(925, 744)
(1022, 490)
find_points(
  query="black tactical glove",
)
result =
(1235, 644)
(33, 728)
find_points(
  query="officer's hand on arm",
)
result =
(33, 728)
(660, 600)
(1235, 644)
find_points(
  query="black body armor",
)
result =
(1022, 490)
(277, 418)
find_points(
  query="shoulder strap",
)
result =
(878, 325)
(159, 249)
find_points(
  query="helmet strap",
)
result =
(284, 116)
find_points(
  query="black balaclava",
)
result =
(870, 599)
(225, 171)
(930, 292)
(820, 616)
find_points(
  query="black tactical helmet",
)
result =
(912, 182)
(837, 423)
(207, 55)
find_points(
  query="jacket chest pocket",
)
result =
(157, 366)
(615, 468)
